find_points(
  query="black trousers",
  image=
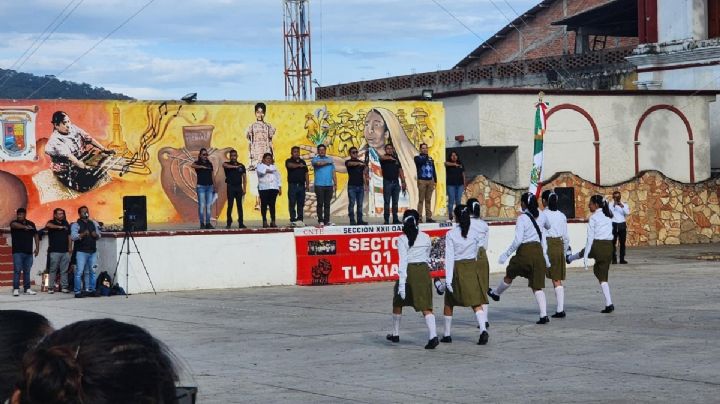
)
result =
(234, 196)
(324, 198)
(296, 200)
(619, 233)
(267, 202)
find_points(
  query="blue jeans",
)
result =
(454, 194)
(22, 262)
(356, 194)
(296, 200)
(86, 266)
(204, 193)
(391, 193)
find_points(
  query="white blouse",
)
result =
(418, 253)
(483, 231)
(458, 248)
(599, 228)
(268, 176)
(619, 213)
(558, 226)
(525, 233)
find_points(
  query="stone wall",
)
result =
(662, 211)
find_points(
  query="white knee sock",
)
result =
(606, 291)
(396, 324)
(448, 325)
(485, 312)
(430, 321)
(542, 303)
(480, 316)
(502, 286)
(560, 295)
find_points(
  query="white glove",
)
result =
(401, 291)
(448, 287)
(585, 263)
(547, 262)
(503, 258)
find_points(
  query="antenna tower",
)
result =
(296, 38)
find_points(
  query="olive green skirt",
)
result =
(528, 262)
(483, 268)
(467, 285)
(418, 288)
(602, 252)
(556, 254)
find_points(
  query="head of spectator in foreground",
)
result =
(99, 361)
(20, 331)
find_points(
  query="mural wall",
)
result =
(100, 151)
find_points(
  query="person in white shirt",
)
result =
(531, 260)
(268, 187)
(620, 212)
(463, 285)
(599, 245)
(414, 286)
(558, 243)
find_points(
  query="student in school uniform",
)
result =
(414, 288)
(530, 260)
(463, 284)
(599, 245)
(558, 243)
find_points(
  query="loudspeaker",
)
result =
(566, 201)
(135, 213)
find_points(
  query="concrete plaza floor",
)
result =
(327, 344)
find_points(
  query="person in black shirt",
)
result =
(22, 233)
(393, 181)
(85, 233)
(59, 246)
(454, 181)
(205, 187)
(357, 184)
(298, 184)
(426, 181)
(236, 181)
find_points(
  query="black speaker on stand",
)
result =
(566, 201)
(135, 213)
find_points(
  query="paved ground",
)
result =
(327, 344)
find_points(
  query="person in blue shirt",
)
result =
(325, 184)
(426, 181)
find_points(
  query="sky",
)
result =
(233, 49)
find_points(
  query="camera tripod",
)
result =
(126, 246)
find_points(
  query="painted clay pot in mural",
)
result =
(178, 178)
(14, 196)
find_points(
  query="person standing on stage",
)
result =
(454, 182)
(393, 182)
(298, 184)
(59, 246)
(599, 246)
(426, 181)
(260, 136)
(558, 243)
(325, 184)
(357, 185)
(236, 180)
(620, 211)
(85, 233)
(414, 288)
(531, 259)
(268, 187)
(22, 235)
(205, 187)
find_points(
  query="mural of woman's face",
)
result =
(375, 131)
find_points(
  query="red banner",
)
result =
(336, 254)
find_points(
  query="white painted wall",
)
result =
(508, 120)
(682, 19)
(462, 107)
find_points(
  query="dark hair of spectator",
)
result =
(56, 210)
(529, 201)
(20, 331)
(81, 208)
(321, 146)
(411, 217)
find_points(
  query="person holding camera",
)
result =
(22, 233)
(59, 246)
(236, 181)
(620, 212)
(85, 233)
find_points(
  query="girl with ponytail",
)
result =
(558, 245)
(530, 260)
(599, 246)
(414, 286)
(462, 278)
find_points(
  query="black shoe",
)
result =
(614, 261)
(446, 339)
(386, 222)
(543, 320)
(202, 225)
(227, 226)
(484, 337)
(361, 223)
(608, 309)
(94, 293)
(352, 223)
(487, 324)
(79, 295)
(428, 220)
(560, 314)
(392, 338)
(265, 225)
(623, 262)
(242, 226)
(396, 221)
(493, 295)
(567, 259)
(209, 226)
(432, 343)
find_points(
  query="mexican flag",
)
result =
(540, 125)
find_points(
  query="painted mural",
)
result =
(72, 153)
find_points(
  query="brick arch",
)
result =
(591, 121)
(685, 121)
